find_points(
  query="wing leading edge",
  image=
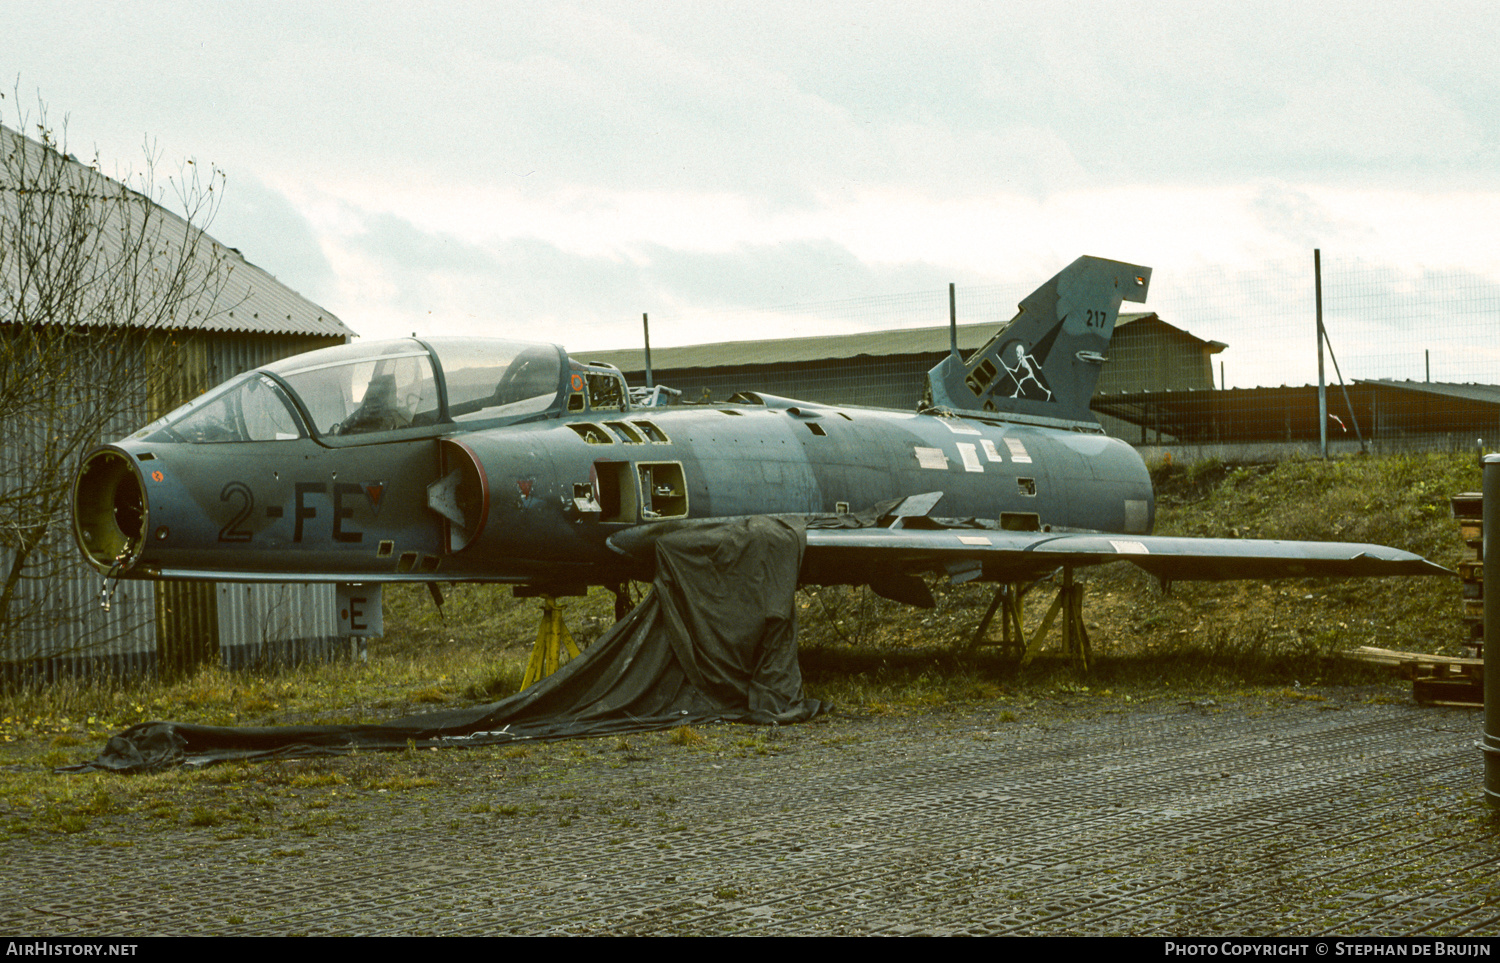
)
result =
(1008, 555)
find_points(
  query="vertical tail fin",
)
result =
(1042, 366)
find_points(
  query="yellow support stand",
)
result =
(551, 636)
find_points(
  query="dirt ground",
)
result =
(1270, 811)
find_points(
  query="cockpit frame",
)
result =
(360, 394)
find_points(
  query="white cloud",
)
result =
(1361, 121)
(565, 167)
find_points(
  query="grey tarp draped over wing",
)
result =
(714, 640)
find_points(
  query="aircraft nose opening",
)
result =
(109, 510)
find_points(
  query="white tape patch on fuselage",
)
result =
(990, 451)
(958, 427)
(970, 455)
(974, 540)
(1130, 548)
(1017, 451)
(932, 458)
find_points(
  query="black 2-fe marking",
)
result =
(232, 531)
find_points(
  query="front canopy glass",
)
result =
(251, 407)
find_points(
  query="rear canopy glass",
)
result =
(494, 379)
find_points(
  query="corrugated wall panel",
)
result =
(155, 626)
(276, 624)
(70, 633)
(55, 622)
(204, 359)
(187, 626)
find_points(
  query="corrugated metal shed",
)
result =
(888, 368)
(272, 624)
(875, 344)
(1485, 397)
(247, 320)
(797, 350)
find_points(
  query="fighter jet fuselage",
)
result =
(450, 459)
(546, 495)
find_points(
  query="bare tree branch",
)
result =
(101, 288)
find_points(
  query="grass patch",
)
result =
(686, 736)
(203, 816)
(859, 652)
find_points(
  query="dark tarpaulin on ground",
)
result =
(715, 640)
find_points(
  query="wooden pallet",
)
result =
(1442, 680)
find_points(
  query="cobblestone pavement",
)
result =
(1254, 817)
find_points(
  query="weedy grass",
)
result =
(859, 652)
(473, 651)
(1401, 501)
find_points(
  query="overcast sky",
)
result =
(551, 170)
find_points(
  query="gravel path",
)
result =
(1268, 814)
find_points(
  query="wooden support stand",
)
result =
(1068, 604)
(1007, 602)
(1462, 684)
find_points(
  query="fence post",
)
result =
(1322, 388)
(1490, 554)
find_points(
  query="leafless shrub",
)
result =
(99, 286)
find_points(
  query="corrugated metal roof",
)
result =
(1291, 412)
(263, 304)
(247, 299)
(900, 341)
(1482, 394)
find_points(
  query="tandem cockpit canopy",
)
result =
(365, 392)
